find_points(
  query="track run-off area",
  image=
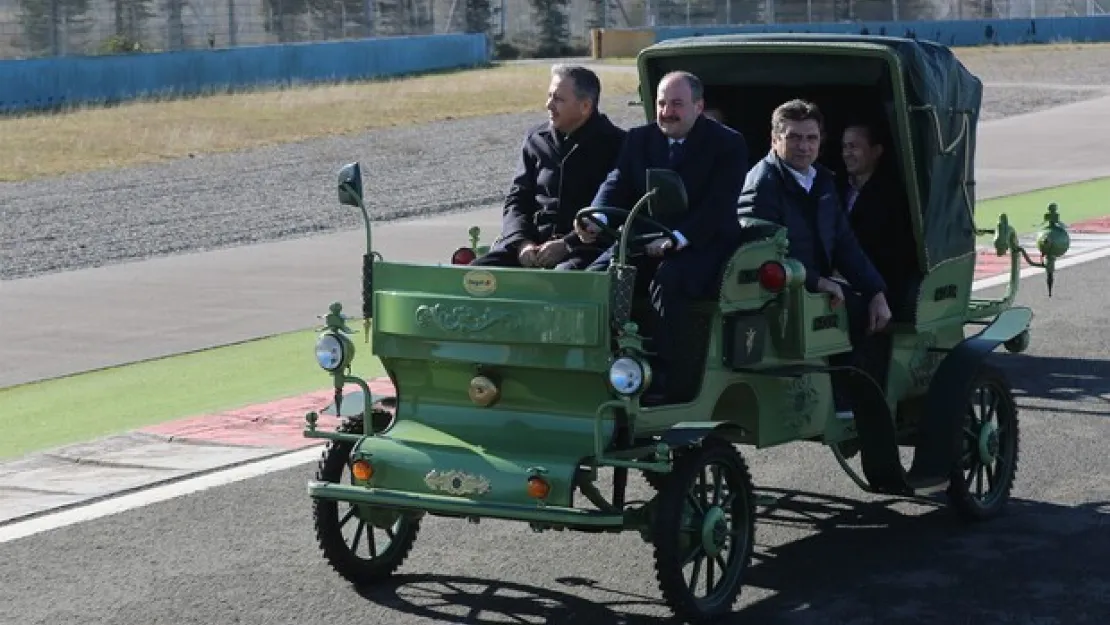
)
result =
(236, 545)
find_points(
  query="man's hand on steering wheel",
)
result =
(587, 232)
(653, 244)
(658, 247)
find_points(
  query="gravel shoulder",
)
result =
(281, 192)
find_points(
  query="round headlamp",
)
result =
(330, 352)
(628, 376)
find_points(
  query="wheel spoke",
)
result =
(993, 409)
(371, 543)
(358, 536)
(697, 569)
(697, 551)
(721, 562)
(979, 479)
(709, 576)
(347, 517)
(990, 477)
(690, 497)
(726, 505)
(718, 484)
(701, 488)
(971, 416)
(972, 471)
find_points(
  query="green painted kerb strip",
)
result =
(108, 401)
(1077, 202)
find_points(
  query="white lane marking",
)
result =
(139, 499)
(189, 486)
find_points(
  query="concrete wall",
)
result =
(50, 82)
(950, 33)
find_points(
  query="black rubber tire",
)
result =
(341, 557)
(668, 526)
(967, 504)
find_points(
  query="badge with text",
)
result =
(479, 283)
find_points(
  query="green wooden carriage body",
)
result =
(513, 387)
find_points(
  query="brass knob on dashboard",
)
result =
(483, 392)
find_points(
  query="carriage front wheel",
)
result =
(704, 530)
(365, 557)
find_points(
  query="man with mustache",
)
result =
(790, 188)
(707, 156)
(562, 161)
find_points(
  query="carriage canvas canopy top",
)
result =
(933, 102)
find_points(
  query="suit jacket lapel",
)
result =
(660, 149)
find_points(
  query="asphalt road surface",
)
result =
(244, 553)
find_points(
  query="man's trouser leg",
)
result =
(869, 352)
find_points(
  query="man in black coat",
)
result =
(878, 210)
(562, 162)
(789, 187)
(709, 158)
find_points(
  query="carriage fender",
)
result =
(969, 353)
(689, 433)
(951, 384)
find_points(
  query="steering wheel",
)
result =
(636, 242)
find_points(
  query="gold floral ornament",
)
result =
(455, 482)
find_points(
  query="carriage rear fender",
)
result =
(939, 449)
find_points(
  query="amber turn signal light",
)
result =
(538, 488)
(362, 470)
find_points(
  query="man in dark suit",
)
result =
(877, 208)
(789, 187)
(708, 156)
(562, 162)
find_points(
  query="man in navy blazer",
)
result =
(790, 188)
(709, 157)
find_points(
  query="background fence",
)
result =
(36, 28)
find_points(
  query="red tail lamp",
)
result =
(463, 256)
(772, 276)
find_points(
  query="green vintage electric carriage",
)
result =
(513, 387)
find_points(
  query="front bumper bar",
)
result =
(440, 504)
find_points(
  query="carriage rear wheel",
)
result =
(364, 558)
(705, 521)
(980, 487)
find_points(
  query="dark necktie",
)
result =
(676, 154)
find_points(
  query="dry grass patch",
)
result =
(149, 131)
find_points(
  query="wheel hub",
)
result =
(714, 530)
(988, 443)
